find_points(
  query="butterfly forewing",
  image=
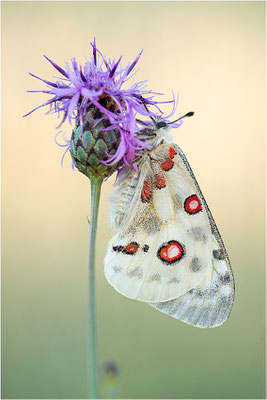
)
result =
(208, 304)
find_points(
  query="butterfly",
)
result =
(167, 251)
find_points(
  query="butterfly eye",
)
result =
(162, 124)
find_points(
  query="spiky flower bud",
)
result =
(93, 146)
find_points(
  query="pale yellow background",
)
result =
(212, 53)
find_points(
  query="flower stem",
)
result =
(96, 183)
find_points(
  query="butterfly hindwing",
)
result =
(168, 251)
(207, 305)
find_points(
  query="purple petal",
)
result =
(114, 159)
(103, 58)
(45, 81)
(75, 65)
(67, 142)
(82, 75)
(39, 91)
(57, 67)
(73, 104)
(94, 51)
(65, 152)
(175, 104)
(112, 72)
(134, 63)
(63, 119)
(42, 105)
(72, 76)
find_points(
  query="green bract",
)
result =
(92, 146)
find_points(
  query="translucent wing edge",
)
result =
(206, 308)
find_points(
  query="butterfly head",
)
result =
(158, 131)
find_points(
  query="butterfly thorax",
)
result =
(156, 134)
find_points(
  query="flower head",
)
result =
(94, 95)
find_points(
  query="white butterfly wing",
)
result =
(209, 304)
(168, 251)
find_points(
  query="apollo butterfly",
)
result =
(168, 251)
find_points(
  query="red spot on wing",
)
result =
(172, 152)
(171, 252)
(131, 248)
(192, 204)
(160, 181)
(167, 165)
(146, 191)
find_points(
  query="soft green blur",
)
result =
(213, 54)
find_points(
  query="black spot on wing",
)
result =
(145, 248)
(195, 264)
(178, 200)
(200, 293)
(214, 290)
(174, 280)
(198, 233)
(225, 279)
(218, 254)
(151, 225)
(135, 272)
(116, 268)
(154, 278)
(117, 248)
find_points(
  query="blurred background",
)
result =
(212, 53)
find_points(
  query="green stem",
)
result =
(96, 183)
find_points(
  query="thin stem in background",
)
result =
(96, 183)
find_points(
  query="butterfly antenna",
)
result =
(143, 101)
(141, 122)
(189, 114)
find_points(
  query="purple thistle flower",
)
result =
(95, 93)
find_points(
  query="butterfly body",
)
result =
(167, 251)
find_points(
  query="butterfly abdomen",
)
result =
(121, 199)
